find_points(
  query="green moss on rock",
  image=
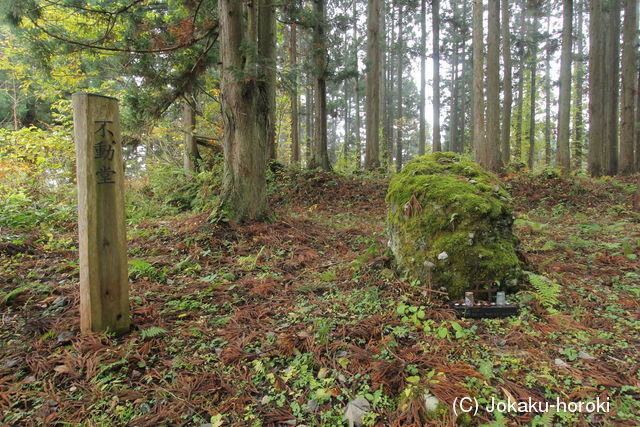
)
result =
(450, 224)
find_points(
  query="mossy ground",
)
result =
(445, 203)
(247, 325)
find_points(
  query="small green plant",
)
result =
(546, 291)
(152, 332)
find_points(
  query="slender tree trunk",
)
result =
(578, 123)
(400, 120)
(423, 69)
(638, 121)
(505, 139)
(358, 140)
(371, 157)
(493, 157)
(479, 138)
(453, 119)
(245, 106)
(547, 109)
(596, 88)
(532, 109)
(191, 154)
(437, 146)
(464, 101)
(320, 156)
(268, 52)
(564, 111)
(382, 81)
(612, 89)
(347, 121)
(391, 81)
(629, 62)
(295, 131)
(308, 123)
(547, 93)
(520, 106)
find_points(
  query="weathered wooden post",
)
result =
(104, 284)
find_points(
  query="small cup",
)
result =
(501, 299)
(468, 298)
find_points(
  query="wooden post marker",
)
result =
(104, 283)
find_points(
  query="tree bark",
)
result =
(423, 69)
(564, 110)
(578, 121)
(400, 119)
(479, 138)
(493, 157)
(533, 57)
(596, 88)
(453, 119)
(638, 121)
(372, 154)
(629, 63)
(191, 154)
(245, 107)
(435, 8)
(358, 139)
(320, 156)
(308, 106)
(267, 49)
(547, 92)
(295, 127)
(612, 89)
(520, 106)
(505, 139)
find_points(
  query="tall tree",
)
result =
(564, 110)
(629, 61)
(493, 157)
(578, 121)
(520, 105)
(400, 117)
(295, 127)
(505, 139)
(374, 58)
(533, 58)
(191, 154)
(612, 88)
(435, 19)
(479, 138)
(596, 87)
(423, 70)
(245, 104)
(358, 140)
(320, 156)
(638, 127)
(547, 89)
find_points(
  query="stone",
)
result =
(356, 409)
(430, 402)
(451, 224)
(561, 363)
(584, 355)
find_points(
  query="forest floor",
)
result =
(286, 322)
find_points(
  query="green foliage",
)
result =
(36, 167)
(546, 291)
(139, 268)
(166, 189)
(152, 332)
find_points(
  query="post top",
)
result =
(93, 94)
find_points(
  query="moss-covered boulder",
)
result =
(450, 224)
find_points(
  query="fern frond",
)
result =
(546, 291)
